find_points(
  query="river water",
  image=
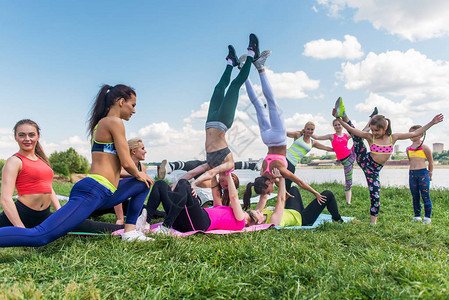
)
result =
(388, 177)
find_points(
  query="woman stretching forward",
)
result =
(99, 189)
(272, 131)
(381, 142)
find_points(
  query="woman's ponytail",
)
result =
(106, 97)
(247, 196)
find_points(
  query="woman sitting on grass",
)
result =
(99, 189)
(30, 173)
(137, 152)
(291, 211)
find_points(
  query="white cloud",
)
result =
(420, 84)
(287, 85)
(350, 48)
(409, 19)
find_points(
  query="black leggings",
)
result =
(31, 218)
(183, 210)
(291, 167)
(314, 209)
(110, 210)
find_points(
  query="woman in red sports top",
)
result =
(29, 172)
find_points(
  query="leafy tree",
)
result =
(2, 163)
(68, 162)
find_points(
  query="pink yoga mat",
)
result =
(181, 234)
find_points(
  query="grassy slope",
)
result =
(395, 259)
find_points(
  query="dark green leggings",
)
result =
(222, 106)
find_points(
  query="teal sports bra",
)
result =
(102, 147)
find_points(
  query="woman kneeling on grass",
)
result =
(99, 189)
(291, 211)
(30, 173)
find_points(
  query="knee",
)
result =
(329, 195)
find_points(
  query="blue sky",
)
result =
(56, 54)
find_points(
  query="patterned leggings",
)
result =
(419, 181)
(348, 164)
(371, 170)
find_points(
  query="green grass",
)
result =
(395, 259)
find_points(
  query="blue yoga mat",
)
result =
(321, 219)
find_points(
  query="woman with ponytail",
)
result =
(381, 141)
(30, 173)
(101, 188)
(273, 134)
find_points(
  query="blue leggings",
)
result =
(419, 181)
(86, 196)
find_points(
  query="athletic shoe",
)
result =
(417, 219)
(375, 112)
(232, 56)
(164, 169)
(242, 60)
(254, 45)
(141, 223)
(260, 62)
(135, 235)
(426, 220)
(162, 230)
(259, 164)
(339, 108)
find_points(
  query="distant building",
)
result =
(438, 147)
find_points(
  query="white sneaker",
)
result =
(162, 230)
(259, 63)
(163, 169)
(259, 163)
(417, 219)
(242, 60)
(426, 220)
(141, 223)
(135, 235)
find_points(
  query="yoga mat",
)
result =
(182, 234)
(321, 219)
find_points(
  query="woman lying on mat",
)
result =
(291, 211)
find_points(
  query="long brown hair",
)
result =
(225, 195)
(106, 97)
(381, 122)
(38, 149)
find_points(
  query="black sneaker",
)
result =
(232, 56)
(254, 45)
(375, 112)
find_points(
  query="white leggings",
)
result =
(271, 124)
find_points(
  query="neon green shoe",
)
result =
(339, 108)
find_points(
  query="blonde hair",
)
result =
(134, 144)
(304, 129)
